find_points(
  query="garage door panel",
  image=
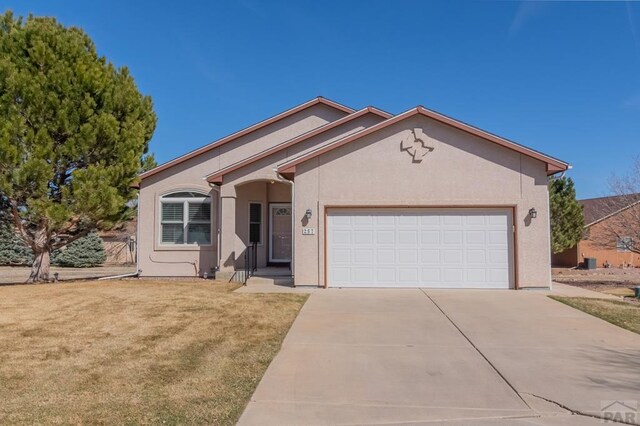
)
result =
(498, 275)
(497, 237)
(454, 248)
(341, 274)
(362, 236)
(499, 220)
(476, 275)
(476, 256)
(386, 256)
(408, 276)
(430, 256)
(389, 221)
(341, 236)
(497, 257)
(363, 220)
(475, 237)
(363, 275)
(408, 237)
(340, 220)
(385, 237)
(406, 256)
(451, 237)
(365, 256)
(453, 257)
(452, 275)
(448, 220)
(430, 276)
(342, 256)
(386, 275)
(430, 237)
(475, 219)
(427, 220)
(407, 220)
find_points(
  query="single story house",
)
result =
(602, 216)
(342, 198)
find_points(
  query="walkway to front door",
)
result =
(415, 356)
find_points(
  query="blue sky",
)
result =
(560, 77)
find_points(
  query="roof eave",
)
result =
(219, 175)
(246, 131)
(218, 180)
(553, 165)
(612, 214)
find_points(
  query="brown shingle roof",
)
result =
(596, 209)
(554, 165)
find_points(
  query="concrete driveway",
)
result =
(459, 357)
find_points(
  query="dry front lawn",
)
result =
(131, 352)
(622, 314)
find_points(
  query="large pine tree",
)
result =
(567, 220)
(74, 131)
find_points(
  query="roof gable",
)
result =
(246, 131)
(596, 210)
(553, 165)
(218, 176)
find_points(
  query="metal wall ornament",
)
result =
(416, 144)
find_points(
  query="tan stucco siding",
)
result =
(264, 168)
(158, 260)
(462, 170)
(245, 146)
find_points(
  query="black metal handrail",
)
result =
(250, 261)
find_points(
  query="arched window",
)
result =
(185, 218)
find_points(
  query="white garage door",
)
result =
(437, 248)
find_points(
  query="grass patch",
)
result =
(622, 314)
(619, 291)
(131, 352)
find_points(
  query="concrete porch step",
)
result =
(273, 280)
(273, 271)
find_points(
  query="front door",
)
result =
(280, 233)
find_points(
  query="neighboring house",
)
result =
(120, 243)
(599, 215)
(349, 198)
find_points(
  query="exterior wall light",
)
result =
(308, 213)
(533, 213)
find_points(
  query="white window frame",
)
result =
(185, 218)
(261, 242)
(623, 243)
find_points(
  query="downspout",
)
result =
(218, 219)
(293, 220)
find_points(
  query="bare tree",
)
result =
(618, 217)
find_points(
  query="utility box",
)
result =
(590, 263)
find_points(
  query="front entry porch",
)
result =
(256, 238)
